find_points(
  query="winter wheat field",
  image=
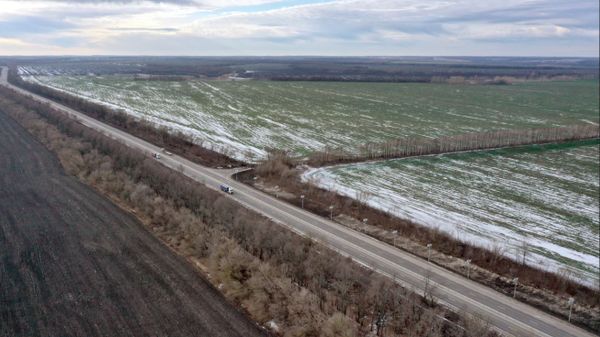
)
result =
(546, 196)
(245, 118)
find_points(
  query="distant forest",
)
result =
(476, 70)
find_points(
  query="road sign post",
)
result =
(469, 268)
(429, 251)
(571, 301)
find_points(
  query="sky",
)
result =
(300, 27)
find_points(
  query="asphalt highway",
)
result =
(509, 316)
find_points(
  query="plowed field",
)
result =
(74, 264)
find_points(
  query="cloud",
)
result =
(201, 3)
(25, 25)
(141, 29)
(404, 21)
(274, 27)
(503, 31)
(179, 2)
(13, 46)
(11, 42)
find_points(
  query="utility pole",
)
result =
(429, 251)
(571, 301)
(469, 268)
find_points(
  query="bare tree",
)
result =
(338, 325)
(363, 197)
(475, 326)
(429, 290)
(521, 251)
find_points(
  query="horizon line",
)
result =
(295, 55)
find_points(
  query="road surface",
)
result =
(509, 316)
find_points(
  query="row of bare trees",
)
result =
(496, 269)
(276, 275)
(419, 146)
(174, 141)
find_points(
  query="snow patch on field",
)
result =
(549, 200)
(246, 118)
(546, 201)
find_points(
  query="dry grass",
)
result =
(543, 289)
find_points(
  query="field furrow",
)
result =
(546, 196)
(245, 118)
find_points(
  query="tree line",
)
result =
(420, 146)
(173, 141)
(496, 267)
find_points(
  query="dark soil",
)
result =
(74, 264)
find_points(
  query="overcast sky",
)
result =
(300, 27)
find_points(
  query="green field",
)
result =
(544, 195)
(244, 118)
(548, 198)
